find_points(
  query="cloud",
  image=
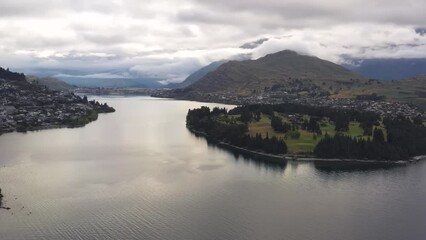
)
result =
(340, 43)
(254, 44)
(169, 39)
(317, 13)
(173, 70)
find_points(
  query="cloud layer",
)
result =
(167, 40)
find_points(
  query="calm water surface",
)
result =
(140, 174)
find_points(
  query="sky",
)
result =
(167, 40)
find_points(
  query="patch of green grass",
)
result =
(328, 128)
(262, 126)
(355, 130)
(306, 142)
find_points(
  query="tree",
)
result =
(8, 75)
(378, 136)
(418, 120)
(1, 198)
(246, 116)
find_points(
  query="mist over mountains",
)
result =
(286, 68)
(380, 69)
(389, 69)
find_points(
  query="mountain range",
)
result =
(282, 68)
(379, 69)
(111, 82)
(389, 69)
(288, 74)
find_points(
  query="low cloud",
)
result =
(95, 76)
(169, 39)
(254, 44)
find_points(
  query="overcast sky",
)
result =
(168, 39)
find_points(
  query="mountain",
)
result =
(194, 77)
(389, 69)
(285, 69)
(111, 82)
(50, 82)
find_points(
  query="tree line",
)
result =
(405, 139)
(1, 198)
(232, 131)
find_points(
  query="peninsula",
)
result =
(26, 106)
(282, 130)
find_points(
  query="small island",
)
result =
(28, 106)
(293, 131)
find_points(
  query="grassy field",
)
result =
(306, 142)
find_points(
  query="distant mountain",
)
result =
(111, 82)
(194, 77)
(389, 69)
(51, 83)
(284, 68)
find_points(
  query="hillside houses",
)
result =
(26, 107)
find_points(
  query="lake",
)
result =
(139, 173)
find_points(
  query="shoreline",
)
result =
(86, 120)
(41, 128)
(289, 157)
(38, 129)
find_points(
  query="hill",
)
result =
(51, 83)
(9, 75)
(194, 77)
(286, 69)
(26, 106)
(389, 69)
(411, 90)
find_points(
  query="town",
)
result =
(26, 107)
(369, 103)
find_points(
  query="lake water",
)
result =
(140, 174)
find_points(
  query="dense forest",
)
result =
(387, 139)
(8, 75)
(405, 139)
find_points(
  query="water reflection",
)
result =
(327, 167)
(257, 161)
(340, 167)
(140, 174)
